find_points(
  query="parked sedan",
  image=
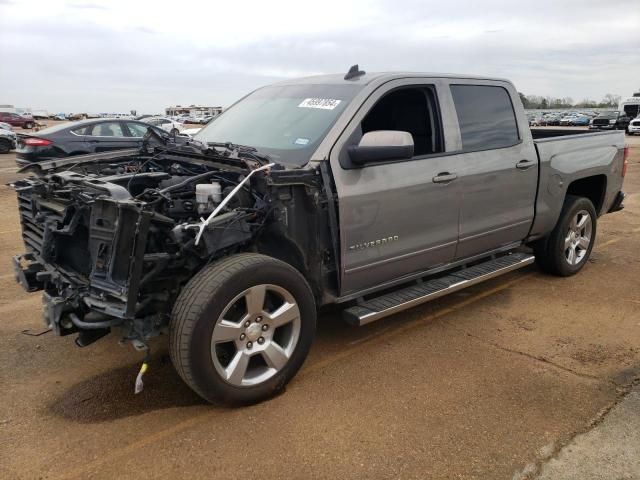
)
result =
(166, 124)
(581, 121)
(17, 120)
(552, 120)
(81, 137)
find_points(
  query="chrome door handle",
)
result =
(524, 164)
(444, 177)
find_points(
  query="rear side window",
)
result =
(486, 117)
(81, 130)
(107, 129)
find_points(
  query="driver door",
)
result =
(400, 216)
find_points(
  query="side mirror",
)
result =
(382, 145)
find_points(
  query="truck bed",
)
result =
(538, 133)
(567, 156)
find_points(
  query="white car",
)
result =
(190, 132)
(634, 126)
(165, 124)
(5, 126)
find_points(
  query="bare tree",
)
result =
(611, 100)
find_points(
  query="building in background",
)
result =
(193, 111)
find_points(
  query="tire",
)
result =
(5, 145)
(28, 125)
(210, 365)
(553, 254)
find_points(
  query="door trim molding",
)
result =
(399, 257)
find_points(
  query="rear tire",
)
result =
(28, 125)
(5, 145)
(567, 248)
(242, 328)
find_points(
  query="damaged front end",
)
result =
(111, 239)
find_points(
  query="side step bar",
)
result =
(390, 303)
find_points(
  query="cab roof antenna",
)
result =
(354, 72)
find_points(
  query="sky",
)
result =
(118, 55)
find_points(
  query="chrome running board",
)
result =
(371, 310)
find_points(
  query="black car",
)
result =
(81, 137)
(610, 120)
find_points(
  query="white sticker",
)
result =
(323, 103)
(301, 141)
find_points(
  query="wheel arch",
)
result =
(594, 188)
(283, 248)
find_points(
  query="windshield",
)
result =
(285, 122)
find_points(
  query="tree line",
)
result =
(536, 101)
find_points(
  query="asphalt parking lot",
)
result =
(488, 383)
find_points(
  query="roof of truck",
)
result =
(366, 78)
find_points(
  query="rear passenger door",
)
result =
(397, 217)
(498, 167)
(112, 135)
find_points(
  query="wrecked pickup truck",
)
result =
(374, 191)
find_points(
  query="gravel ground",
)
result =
(489, 383)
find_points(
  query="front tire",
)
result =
(567, 248)
(242, 328)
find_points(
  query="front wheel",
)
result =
(566, 250)
(242, 328)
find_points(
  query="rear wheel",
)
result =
(5, 145)
(28, 125)
(241, 328)
(566, 250)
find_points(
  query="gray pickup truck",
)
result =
(377, 192)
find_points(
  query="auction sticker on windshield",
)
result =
(323, 103)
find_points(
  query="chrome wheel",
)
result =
(578, 238)
(256, 335)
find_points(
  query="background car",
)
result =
(537, 121)
(7, 140)
(190, 132)
(552, 120)
(17, 120)
(166, 124)
(610, 120)
(567, 120)
(81, 137)
(5, 126)
(581, 121)
(634, 126)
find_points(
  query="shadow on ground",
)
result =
(110, 396)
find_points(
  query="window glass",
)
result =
(137, 129)
(408, 110)
(107, 129)
(286, 122)
(81, 130)
(486, 117)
